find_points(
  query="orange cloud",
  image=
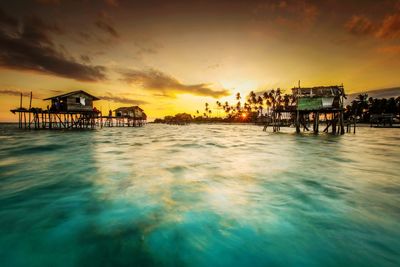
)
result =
(390, 49)
(294, 14)
(119, 99)
(166, 85)
(390, 28)
(360, 25)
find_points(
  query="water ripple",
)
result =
(199, 195)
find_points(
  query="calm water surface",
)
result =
(199, 195)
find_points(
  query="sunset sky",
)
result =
(173, 56)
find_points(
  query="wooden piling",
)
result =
(341, 122)
(30, 106)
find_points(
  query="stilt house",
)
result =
(76, 101)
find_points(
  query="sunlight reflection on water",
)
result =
(199, 195)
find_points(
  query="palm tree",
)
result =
(206, 109)
(253, 97)
(238, 97)
(259, 100)
(238, 106)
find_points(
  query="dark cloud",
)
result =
(37, 31)
(103, 22)
(159, 82)
(31, 48)
(85, 58)
(48, 2)
(103, 25)
(146, 50)
(123, 100)
(360, 25)
(6, 20)
(84, 35)
(56, 91)
(18, 93)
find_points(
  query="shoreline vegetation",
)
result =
(258, 107)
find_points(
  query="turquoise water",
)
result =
(199, 195)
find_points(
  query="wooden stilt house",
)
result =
(76, 101)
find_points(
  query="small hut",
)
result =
(312, 104)
(133, 115)
(76, 101)
(316, 101)
(129, 112)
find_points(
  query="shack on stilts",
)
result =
(67, 111)
(132, 116)
(71, 110)
(311, 108)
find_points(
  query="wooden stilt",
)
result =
(341, 122)
(20, 114)
(298, 122)
(334, 123)
(30, 106)
(317, 122)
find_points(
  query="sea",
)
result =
(199, 195)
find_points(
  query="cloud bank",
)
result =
(388, 28)
(29, 47)
(161, 83)
(123, 100)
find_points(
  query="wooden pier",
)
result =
(115, 121)
(36, 118)
(74, 111)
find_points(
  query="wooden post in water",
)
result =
(19, 113)
(334, 123)
(50, 122)
(29, 110)
(341, 122)
(298, 121)
(314, 122)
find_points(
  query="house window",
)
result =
(78, 100)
